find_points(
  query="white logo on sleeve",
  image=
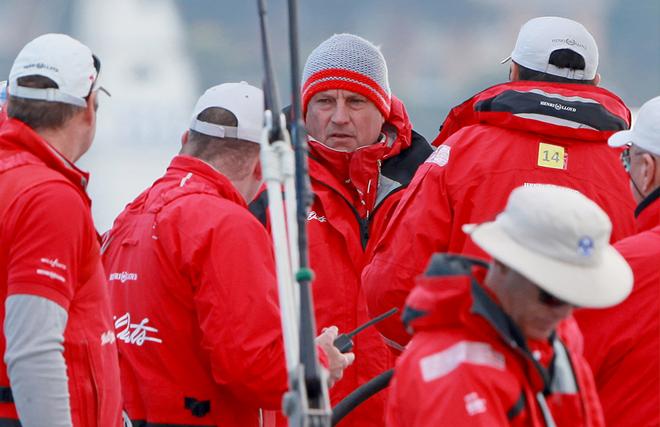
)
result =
(440, 156)
(474, 404)
(51, 275)
(54, 263)
(134, 333)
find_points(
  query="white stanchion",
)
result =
(274, 157)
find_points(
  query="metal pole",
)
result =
(307, 403)
(308, 356)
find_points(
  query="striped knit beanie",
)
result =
(346, 61)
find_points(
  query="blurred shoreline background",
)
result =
(159, 55)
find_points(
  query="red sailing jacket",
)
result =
(513, 134)
(344, 221)
(468, 364)
(49, 248)
(195, 302)
(622, 343)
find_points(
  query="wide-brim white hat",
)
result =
(559, 239)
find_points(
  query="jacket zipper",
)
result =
(363, 223)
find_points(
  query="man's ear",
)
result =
(184, 138)
(92, 106)
(597, 79)
(649, 173)
(514, 72)
(257, 173)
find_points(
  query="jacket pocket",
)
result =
(83, 385)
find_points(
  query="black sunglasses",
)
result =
(97, 67)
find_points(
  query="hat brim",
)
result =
(603, 285)
(621, 138)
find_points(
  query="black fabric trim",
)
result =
(143, 423)
(452, 265)
(588, 113)
(402, 167)
(648, 200)
(517, 407)
(484, 306)
(259, 208)
(410, 314)
(8, 422)
(198, 408)
(6, 395)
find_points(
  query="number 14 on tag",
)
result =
(552, 156)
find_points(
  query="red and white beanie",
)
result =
(349, 62)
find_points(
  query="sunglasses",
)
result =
(95, 87)
(550, 300)
(625, 158)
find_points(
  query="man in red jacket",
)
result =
(549, 125)
(493, 351)
(192, 280)
(622, 343)
(363, 152)
(60, 357)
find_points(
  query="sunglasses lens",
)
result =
(625, 159)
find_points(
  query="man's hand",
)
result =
(337, 361)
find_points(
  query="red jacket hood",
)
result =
(440, 301)
(570, 110)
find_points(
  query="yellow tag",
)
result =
(551, 156)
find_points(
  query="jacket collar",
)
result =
(456, 299)
(648, 212)
(198, 176)
(16, 135)
(485, 306)
(568, 110)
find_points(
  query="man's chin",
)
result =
(341, 144)
(539, 334)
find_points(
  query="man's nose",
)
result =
(340, 115)
(563, 311)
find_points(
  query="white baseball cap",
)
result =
(246, 102)
(539, 37)
(559, 239)
(63, 59)
(645, 132)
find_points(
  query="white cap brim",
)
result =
(603, 285)
(619, 139)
